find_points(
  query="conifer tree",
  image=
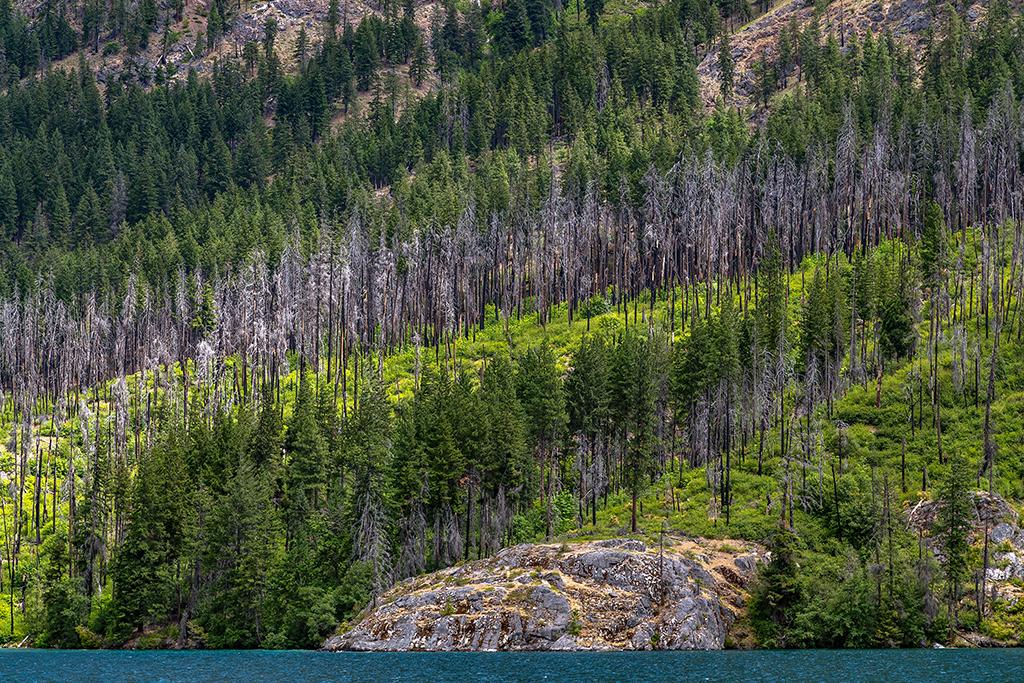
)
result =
(8, 203)
(266, 444)
(955, 520)
(777, 591)
(144, 570)
(504, 459)
(332, 18)
(933, 240)
(633, 407)
(897, 334)
(370, 506)
(540, 392)
(365, 57)
(306, 453)
(241, 550)
(419, 66)
(594, 10)
(512, 30)
(726, 67)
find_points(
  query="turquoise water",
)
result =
(989, 666)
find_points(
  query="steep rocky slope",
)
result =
(180, 54)
(907, 21)
(1004, 577)
(615, 594)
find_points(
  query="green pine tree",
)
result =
(956, 515)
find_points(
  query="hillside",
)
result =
(910, 23)
(862, 434)
(768, 40)
(174, 44)
(277, 342)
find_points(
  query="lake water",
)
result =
(989, 666)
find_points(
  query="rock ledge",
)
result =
(601, 595)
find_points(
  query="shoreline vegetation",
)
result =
(258, 366)
(675, 492)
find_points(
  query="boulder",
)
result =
(603, 595)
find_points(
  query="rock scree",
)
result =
(617, 594)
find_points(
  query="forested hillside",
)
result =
(274, 338)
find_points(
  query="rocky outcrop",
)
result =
(1008, 553)
(989, 508)
(616, 594)
(1004, 575)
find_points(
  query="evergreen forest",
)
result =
(277, 336)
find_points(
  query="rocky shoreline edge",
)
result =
(616, 594)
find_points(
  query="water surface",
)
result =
(989, 666)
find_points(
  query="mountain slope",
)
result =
(908, 22)
(179, 46)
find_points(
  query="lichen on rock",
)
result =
(602, 595)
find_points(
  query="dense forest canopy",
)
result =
(143, 181)
(271, 341)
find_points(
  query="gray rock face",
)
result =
(1005, 571)
(1008, 553)
(989, 509)
(603, 595)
